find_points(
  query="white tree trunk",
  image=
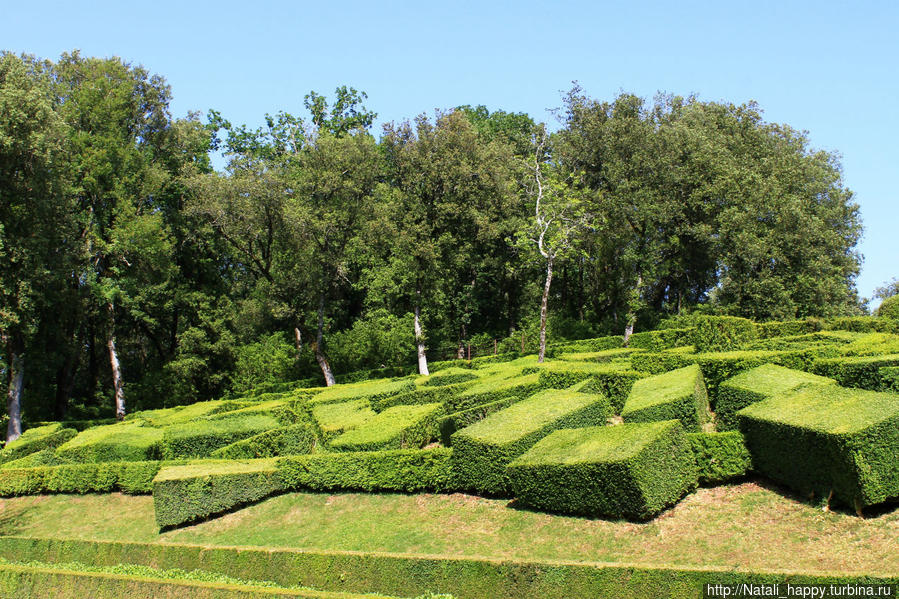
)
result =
(420, 343)
(629, 330)
(319, 354)
(298, 339)
(117, 382)
(543, 309)
(14, 396)
(631, 312)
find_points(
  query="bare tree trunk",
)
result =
(543, 306)
(298, 340)
(117, 382)
(631, 312)
(420, 340)
(629, 330)
(16, 354)
(319, 354)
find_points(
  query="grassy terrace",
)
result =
(744, 525)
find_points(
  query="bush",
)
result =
(127, 442)
(720, 457)
(659, 362)
(827, 438)
(863, 324)
(279, 409)
(494, 389)
(44, 457)
(184, 414)
(271, 360)
(371, 390)
(760, 383)
(423, 394)
(291, 440)
(378, 338)
(450, 423)
(615, 383)
(335, 418)
(128, 477)
(630, 471)
(191, 492)
(199, 439)
(789, 328)
(889, 378)
(606, 355)
(36, 439)
(448, 376)
(722, 333)
(862, 372)
(676, 395)
(661, 339)
(717, 367)
(889, 308)
(482, 451)
(399, 427)
(403, 470)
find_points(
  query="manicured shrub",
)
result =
(824, 438)
(720, 457)
(423, 394)
(199, 439)
(862, 324)
(585, 345)
(482, 450)
(889, 308)
(494, 389)
(36, 439)
(128, 477)
(399, 427)
(606, 355)
(659, 362)
(629, 471)
(449, 376)
(722, 333)
(44, 457)
(757, 384)
(614, 382)
(405, 470)
(717, 367)
(188, 413)
(889, 378)
(127, 441)
(335, 418)
(863, 372)
(450, 423)
(661, 339)
(279, 409)
(291, 440)
(191, 492)
(767, 330)
(676, 395)
(370, 390)
(612, 379)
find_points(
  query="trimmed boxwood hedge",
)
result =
(406, 470)
(720, 457)
(661, 339)
(44, 457)
(333, 419)
(862, 372)
(127, 441)
(450, 423)
(482, 450)
(787, 328)
(399, 427)
(188, 413)
(824, 438)
(36, 439)
(191, 492)
(721, 333)
(200, 438)
(373, 391)
(629, 471)
(279, 409)
(606, 355)
(448, 376)
(757, 384)
(290, 440)
(405, 575)
(494, 389)
(676, 395)
(129, 477)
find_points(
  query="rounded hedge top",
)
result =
(889, 308)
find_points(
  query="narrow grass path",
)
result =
(745, 525)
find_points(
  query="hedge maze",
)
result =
(598, 429)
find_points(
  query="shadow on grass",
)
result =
(875, 511)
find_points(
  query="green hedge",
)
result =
(721, 333)
(450, 423)
(606, 355)
(585, 345)
(188, 413)
(662, 339)
(676, 395)
(614, 380)
(36, 439)
(129, 477)
(630, 471)
(423, 394)
(191, 492)
(291, 440)
(127, 441)
(788, 328)
(757, 384)
(482, 450)
(889, 378)
(827, 438)
(889, 308)
(863, 372)
(449, 376)
(472, 578)
(200, 438)
(335, 418)
(373, 391)
(659, 362)
(399, 427)
(720, 457)
(279, 409)
(863, 324)
(494, 389)
(405, 470)
(44, 457)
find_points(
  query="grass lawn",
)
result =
(746, 525)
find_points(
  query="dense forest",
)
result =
(135, 275)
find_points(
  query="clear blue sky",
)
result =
(829, 67)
